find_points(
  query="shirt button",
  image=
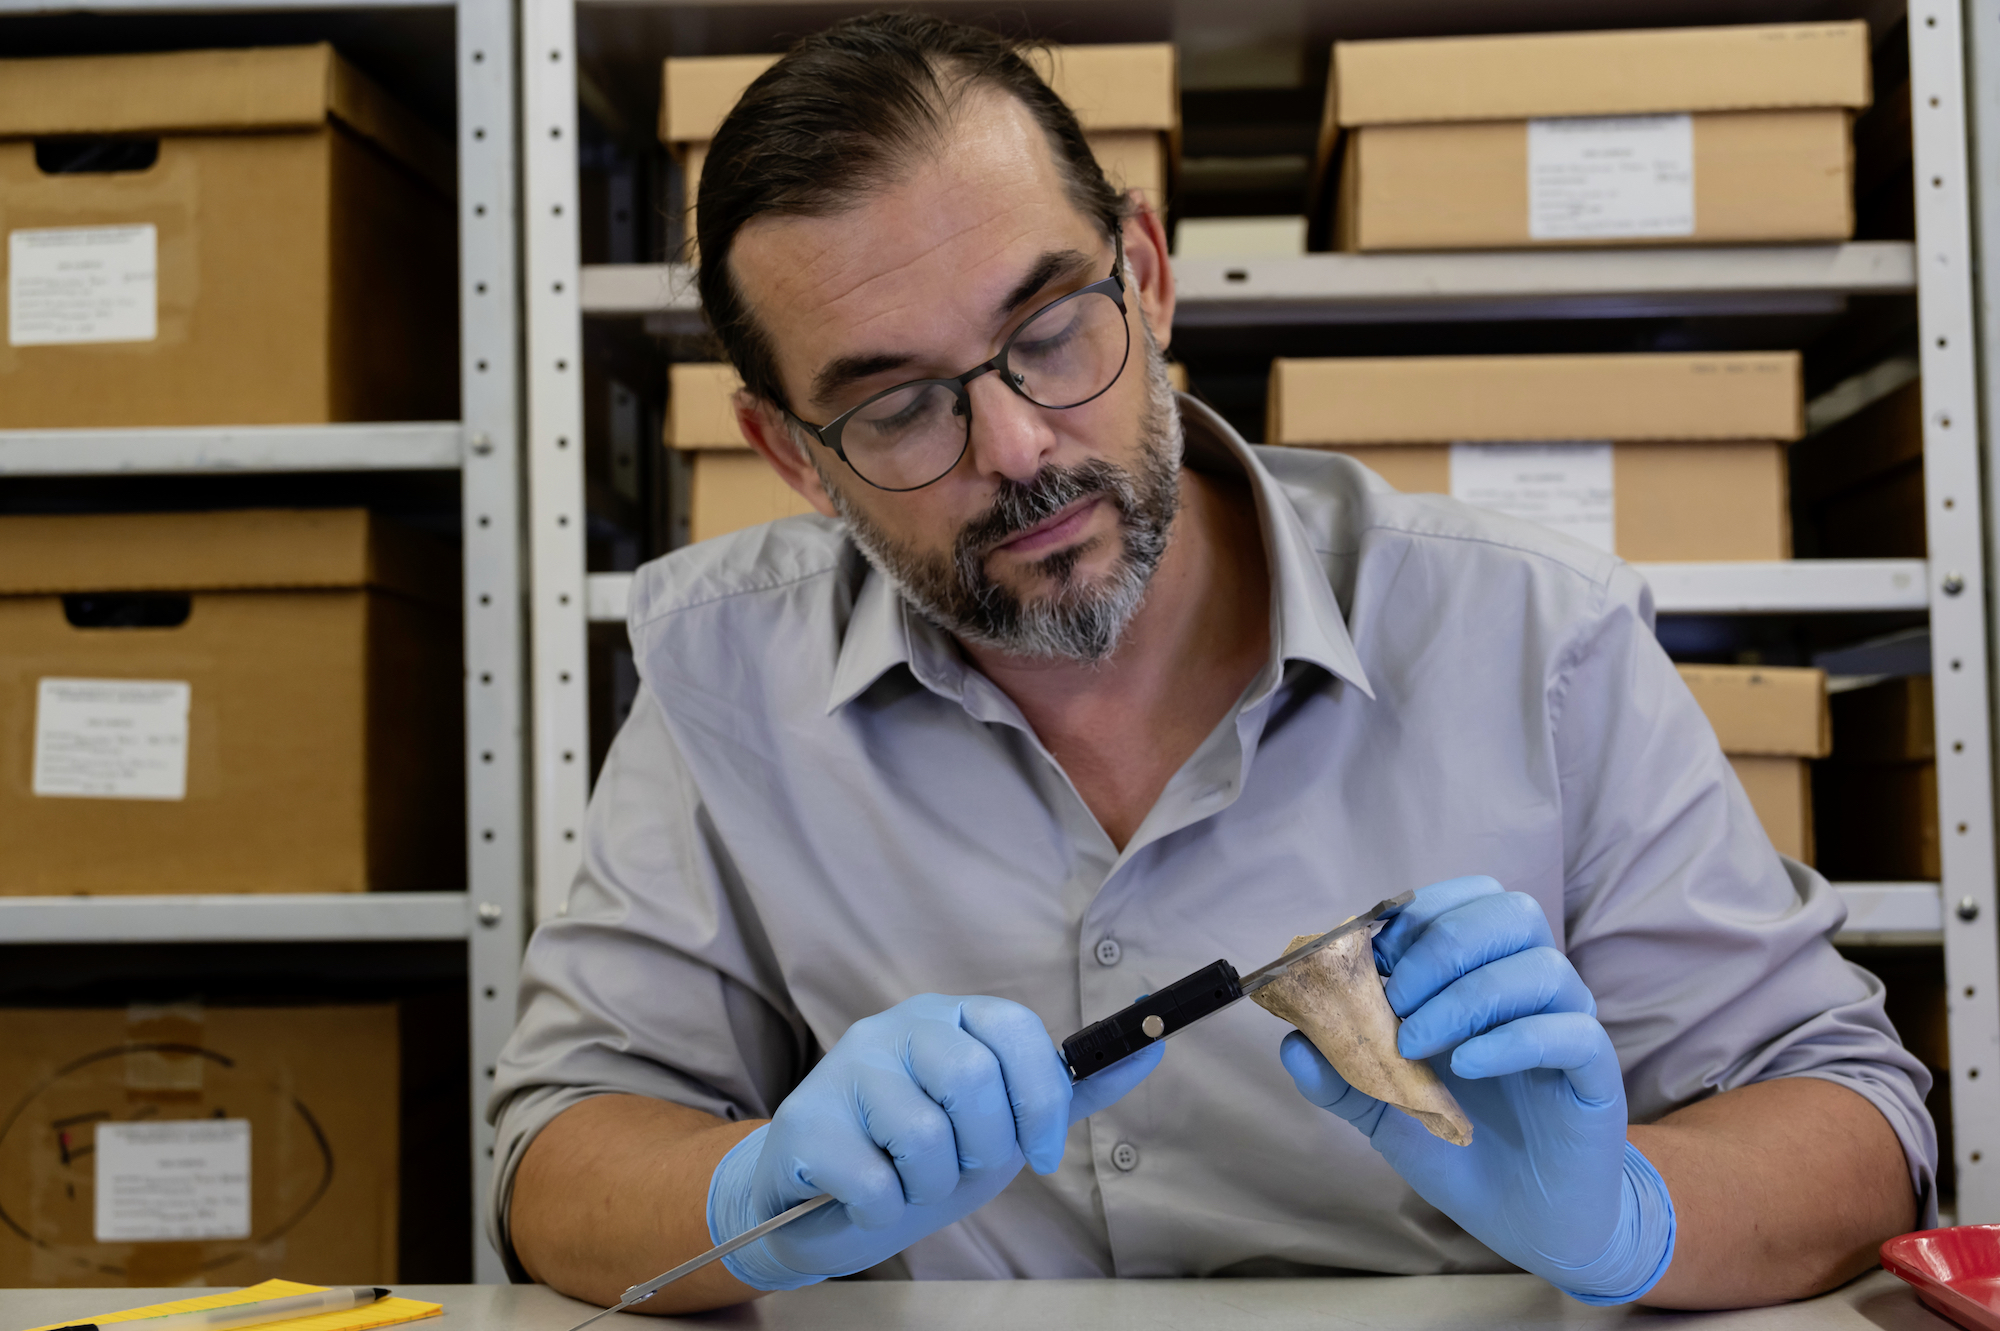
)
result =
(1108, 951)
(1126, 1156)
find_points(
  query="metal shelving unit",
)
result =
(482, 448)
(1936, 272)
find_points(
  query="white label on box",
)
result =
(113, 739)
(1607, 177)
(83, 284)
(186, 1179)
(1564, 486)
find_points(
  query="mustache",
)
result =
(1022, 504)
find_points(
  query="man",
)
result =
(1069, 692)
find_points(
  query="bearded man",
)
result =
(1069, 691)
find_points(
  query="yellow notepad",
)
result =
(382, 1312)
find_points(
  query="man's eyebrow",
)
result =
(839, 373)
(1051, 266)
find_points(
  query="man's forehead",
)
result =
(943, 242)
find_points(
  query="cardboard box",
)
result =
(1126, 96)
(1673, 136)
(1770, 721)
(1675, 457)
(731, 486)
(277, 244)
(95, 1096)
(1860, 482)
(1780, 790)
(252, 701)
(1764, 711)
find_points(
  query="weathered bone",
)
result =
(1336, 998)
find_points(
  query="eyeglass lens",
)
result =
(1063, 357)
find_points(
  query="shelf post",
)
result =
(1953, 495)
(495, 683)
(556, 515)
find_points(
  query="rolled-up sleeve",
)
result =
(1710, 955)
(655, 980)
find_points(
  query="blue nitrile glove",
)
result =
(1549, 1182)
(916, 1118)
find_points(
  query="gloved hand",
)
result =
(1549, 1182)
(916, 1117)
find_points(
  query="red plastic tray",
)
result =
(1955, 1271)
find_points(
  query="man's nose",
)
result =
(1011, 436)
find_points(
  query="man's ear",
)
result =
(764, 426)
(1152, 271)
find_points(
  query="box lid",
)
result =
(270, 88)
(1773, 711)
(1748, 67)
(1133, 85)
(1449, 399)
(240, 550)
(700, 410)
(1111, 86)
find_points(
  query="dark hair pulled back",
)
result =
(838, 116)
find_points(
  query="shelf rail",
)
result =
(227, 449)
(1793, 586)
(1409, 288)
(237, 917)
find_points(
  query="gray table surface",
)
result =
(1395, 1303)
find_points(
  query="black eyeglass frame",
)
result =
(1112, 286)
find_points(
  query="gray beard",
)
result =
(1079, 620)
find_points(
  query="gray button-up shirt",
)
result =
(818, 808)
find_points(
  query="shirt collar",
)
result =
(884, 631)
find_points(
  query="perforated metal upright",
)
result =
(495, 683)
(1955, 87)
(561, 709)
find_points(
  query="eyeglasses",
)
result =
(1067, 353)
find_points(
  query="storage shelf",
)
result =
(1539, 284)
(1407, 288)
(1789, 586)
(1895, 914)
(236, 918)
(1798, 586)
(424, 446)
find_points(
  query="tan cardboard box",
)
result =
(1767, 711)
(251, 701)
(1126, 96)
(1860, 483)
(288, 256)
(314, 1090)
(1696, 451)
(733, 487)
(1673, 136)
(1770, 721)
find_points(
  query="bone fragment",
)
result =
(1336, 998)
